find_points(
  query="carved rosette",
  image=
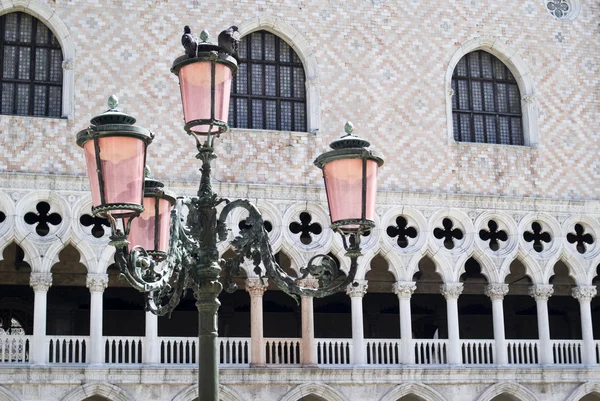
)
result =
(584, 293)
(256, 287)
(357, 290)
(451, 290)
(496, 292)
(404, 289)
(40, 281)
(541, 292)
(96, 282)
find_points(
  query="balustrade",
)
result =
(282, 351)
(431, 352)
(383, 352)
(123, 350)
(567, 352)
(67, 349)
(522, 352)
(477, 352)
(14, 348)
(333, 351)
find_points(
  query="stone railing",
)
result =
(522, 352)
(282, 351)
(477, 352)
(14, 349)
(333, 351)
(383, 352)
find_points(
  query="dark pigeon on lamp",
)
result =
(229, 40)
(189, 42)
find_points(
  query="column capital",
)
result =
(404, 289)
(451, 290)
(496, 291)
(256, 286)
(312, 283)
(96, 282)
(40, 281)
(358, 288)
(541, 292)
(584, 292)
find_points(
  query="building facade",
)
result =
(479, 280)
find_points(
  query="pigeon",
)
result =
(189, 42)
(229, 41)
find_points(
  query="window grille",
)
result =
(31, 67)
(268, 92)
(486, 105)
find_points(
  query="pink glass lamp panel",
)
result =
(195, 82)
(143, 227)
(343, 179)
(122, 164)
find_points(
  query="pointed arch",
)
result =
(583, 390)
(105, 390)
(191, 393)
(7, 395)
(51, 19)
(319, 389)
(86, 255)
(517, 66)
(511, 388)
(532, 268)
(420, 390)
(305, 52)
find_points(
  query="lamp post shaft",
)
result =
(208, 352)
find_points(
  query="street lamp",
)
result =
(139, 211)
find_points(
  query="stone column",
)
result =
(356, 294)
(541, 293)
(41, 283)
(256, 288)
(151, 350)
(96, 283)
(585, 294)
(308, 351)
(404, 291)
(451, 291)
(497, 292)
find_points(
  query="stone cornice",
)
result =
(15, 182)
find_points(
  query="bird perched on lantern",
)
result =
(189, 42)
(229, 40)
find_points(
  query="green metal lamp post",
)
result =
(143, 215)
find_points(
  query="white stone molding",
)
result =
(420, 390)
(306, 53)
(256, 287)
(517, 66)
(414, 218)
(451, 290)
(584, 293)
(320, 243)
(51, 19)
(541, 291)
(496, 291)
(358, 288)
(404, 289)
(40, 281)
(96, 282)
(191, 393)
(7, 395)
(548, 224)
(319, 389)
(583, 390)
(106, 390)
(511, 388)
(7, 206)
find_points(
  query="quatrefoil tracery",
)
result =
(493, 235)
(243, 225)
(2, 217)
(537, 236)
(305, 228)
(448, 234)
(402, 231)
(97, 224)
(42, 218)
(581, 238)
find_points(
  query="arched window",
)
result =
(269, 90)
(31, 68)
(486, 106)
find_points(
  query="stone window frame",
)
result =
(518, 67)
(305, 52)
(48, 17)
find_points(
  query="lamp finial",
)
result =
(204, 35)
(113, 102)
(349, 127)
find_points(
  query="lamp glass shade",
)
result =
(344, 185)
(195, 82)
(143, 227)
(122, 168)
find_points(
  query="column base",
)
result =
(309, 365)
(258, 365)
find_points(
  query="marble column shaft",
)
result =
(96, 283)
(356, 294)
(541, 293)
(497, 292)
(404, 291)
(256, 288)
(451, 292)
(41, 283)
(585, 294)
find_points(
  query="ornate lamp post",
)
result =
(115, 156)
